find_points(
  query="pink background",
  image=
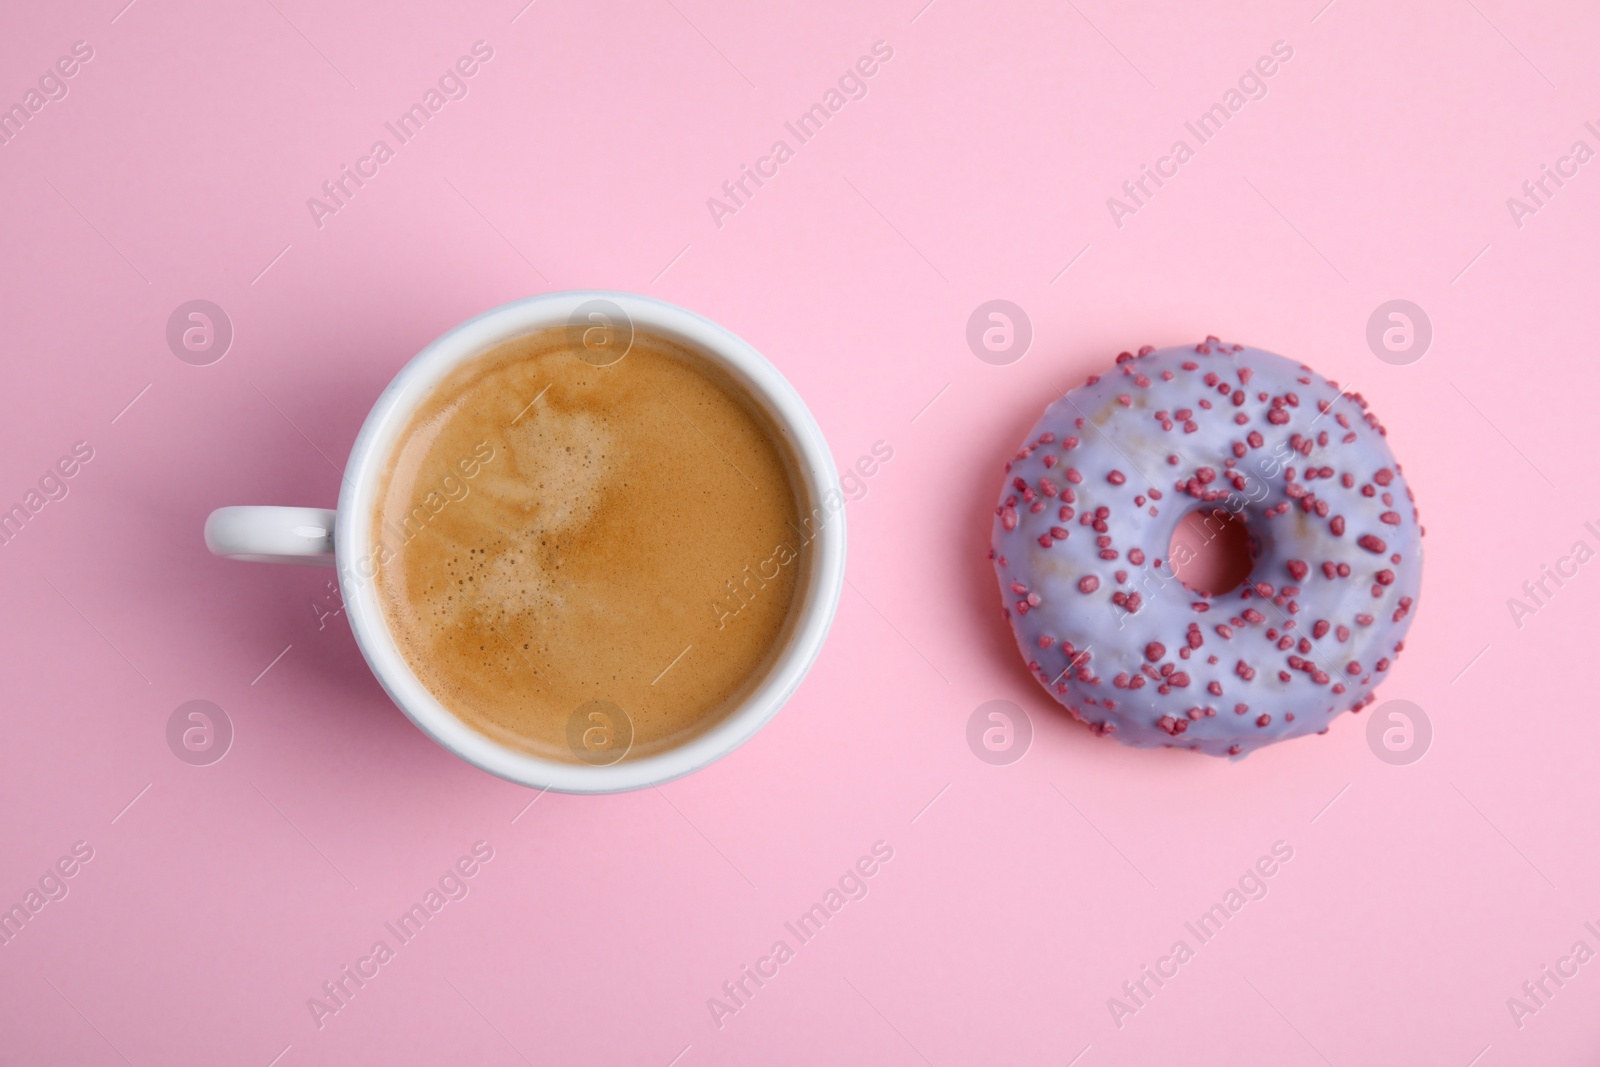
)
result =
(978, 166)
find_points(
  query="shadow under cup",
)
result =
(612, 563)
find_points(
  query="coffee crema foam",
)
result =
(550, 533)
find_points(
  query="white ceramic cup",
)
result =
(342, 538)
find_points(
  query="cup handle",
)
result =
(272, 535)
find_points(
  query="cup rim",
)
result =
(373, 448)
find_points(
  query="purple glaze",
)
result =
(1103, 481)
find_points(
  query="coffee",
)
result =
(589, 562)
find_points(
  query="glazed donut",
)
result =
(1089, 508)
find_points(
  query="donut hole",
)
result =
(1212, 552)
